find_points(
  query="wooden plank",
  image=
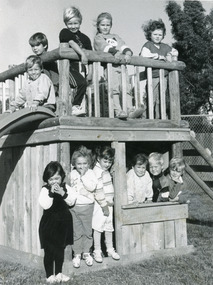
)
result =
(124, 87)
(154, 214)
(89, 100)
(169, 234)
(138, 102)
(96, 67)
(150, 93)
(120, 188)
(110, 90)
(64, 103)
(27, 200)
(180, 233)
(135, 239)
(20, 237)
(162, 94)
(174, 93)
(94, 134)
(126, 249)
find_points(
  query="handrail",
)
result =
(93, 56)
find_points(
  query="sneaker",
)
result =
(88, 259)
(113, 254)
(136, 113)
(51, 279)
(78, 111)
(76, 261)
(97, 255)
(61, 278)
(120, 114)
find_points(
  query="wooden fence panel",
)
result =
(20, 212)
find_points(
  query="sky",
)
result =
(20, 19)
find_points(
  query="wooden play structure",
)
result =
(25, 152)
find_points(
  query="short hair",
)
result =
(72, 12)
(82, 151)
(153, 25)
(31, 60)
(178, 164)
(156, 157)
(105, 152)
(37, 39)
(51, 169)
(139, 158)
(101, 17)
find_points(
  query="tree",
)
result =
(192, 30)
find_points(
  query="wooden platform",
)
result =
(69, 128)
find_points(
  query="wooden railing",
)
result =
(96, 92)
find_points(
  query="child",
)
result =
(55, 229)
(176, 184)
(77, 41)
(37, 91)
(106, 42)
(154, 49)
(160, 181)
(39, 45)
(83, 182)
(103, 212)
(139, 182)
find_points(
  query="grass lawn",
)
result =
(195, 268)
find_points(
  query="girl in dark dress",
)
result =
(56, 228)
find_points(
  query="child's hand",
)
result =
(84, 59)
(83, 171)
(89, 79)
(161, 57)
(155, 56)
(105, 210)
(127, 58)
(118, 57)
(110, 204)
(57, 189)
(34, 106)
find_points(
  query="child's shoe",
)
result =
(120, 114)
(61, 278)
(97, 254)
(76, 261)
(51, 279)
(136, 113)
(113, 254)
(78, 111)
(88, 259)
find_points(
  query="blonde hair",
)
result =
(72, 12)
(178, 164)
(156, 157)
(82, 151)
(101, 17)
(31, 60)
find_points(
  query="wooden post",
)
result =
(124, 87)
(175, 114)
(138, 102)
(110, 90)
(120, 191)
(64, 157)
(162, 95)
(64, 102)
(150, 93)
(96, 88)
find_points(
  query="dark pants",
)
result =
(79, 82)
(53, 254)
